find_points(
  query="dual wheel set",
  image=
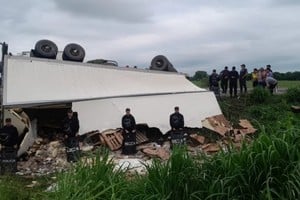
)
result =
(75, 52)
(48, 49)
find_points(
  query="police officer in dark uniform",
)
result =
(224, 79)
(9, 135)
(9, 139)
(71, 124)
(243, 76)
(177, 135)
(233, 79)
(176, 120)
(70, 129)
(129, 133)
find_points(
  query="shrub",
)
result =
(293, 95)
(259, 95)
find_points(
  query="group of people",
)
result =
(71, 127)
(129, 129)
(9, 136)
(262, 77)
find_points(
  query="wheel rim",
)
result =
(74, 52)
(159, 63)
(46, 48)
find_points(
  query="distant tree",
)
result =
(292, 76)
(199, 75)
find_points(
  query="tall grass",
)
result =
(96, 180)
(269, 168)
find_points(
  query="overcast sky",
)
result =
(192, 34)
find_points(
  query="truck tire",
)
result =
(171, 68)
(45, 49)
(159, 63)
(73, 52)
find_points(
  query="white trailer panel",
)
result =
(153, 110)
(36, 81)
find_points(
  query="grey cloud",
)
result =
(134, 11)
(194, 35)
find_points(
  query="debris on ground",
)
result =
(47, 157)
(295, 109)
(219, 124)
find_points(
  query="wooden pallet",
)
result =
(113, 139)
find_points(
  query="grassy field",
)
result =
(281, 84)
(267, 168)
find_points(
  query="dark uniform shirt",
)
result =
(243, 73)
(233, 76)
(214, 80)
(224, 74)
(71, 126)
(9, 136)
(128, 122)
(176, 120)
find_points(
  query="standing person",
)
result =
(269, 72)
(254, 77)
(213, 80)
(176, 120)
(261, 77)
(9, 135)
(177, 135)
(269, 68)
(71, 128)
(224, 75)
(233, 78)
(243, 76)
(71, 124)
(271, 83)
(129, 133)
(214, 83)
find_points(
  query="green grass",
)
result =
(13, 187)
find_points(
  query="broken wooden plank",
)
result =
(157, 152)
(217, 124)
(141, 137)
(211, 147)
(197, 138)
(247, 127)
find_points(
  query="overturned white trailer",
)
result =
(100, 93)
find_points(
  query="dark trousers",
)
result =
(72, 149)
(233, 87)
(8, 160)
(254, 83)
(271, 88)
(129, 143)
(224, 85)
(243, 85)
